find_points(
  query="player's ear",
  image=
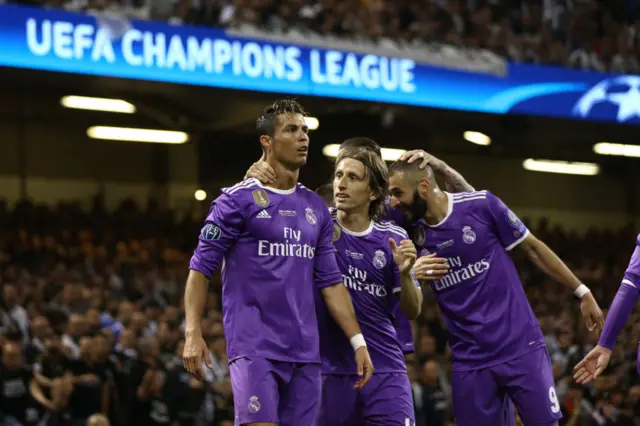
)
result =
(265, 142)
(423, 187)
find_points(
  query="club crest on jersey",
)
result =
(468, 236)
(260, 197)
(418, 236)
(311, 217)
(254, 404)
(337, 231)
(210, 232)
(379, 259)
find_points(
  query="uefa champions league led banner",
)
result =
(65, 42)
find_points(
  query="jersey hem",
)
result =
(205, 273)
(337, 282)
(530, 349)
(375, 373)
(277, 359)
(518, 241)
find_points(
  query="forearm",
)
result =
(341, 309)
(41, 380)
(195, 295)
(552, 265)
(38, 395)
(453, 180)
(410, 297)
(618, 315)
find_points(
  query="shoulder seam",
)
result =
(389, 227)
(245, 184)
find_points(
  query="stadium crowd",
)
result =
(599, 35)
(91, 322)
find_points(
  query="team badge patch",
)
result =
(254, 404)
(210, 232)
(311, 217)
(418, 236)
(379, 260)
(337, 231)
(468, 236)
(260, 197)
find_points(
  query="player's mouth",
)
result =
(341, 196)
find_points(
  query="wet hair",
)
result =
(266, 123)
(376, 171)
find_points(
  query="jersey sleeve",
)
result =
(325, 268)
(221, 229)
(399, 234)
(632, 274)
(510, 230)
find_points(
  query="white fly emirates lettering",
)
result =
(291, 247)
(357, 280)
(460, 273)
(218, 55)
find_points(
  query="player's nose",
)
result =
(394, 203)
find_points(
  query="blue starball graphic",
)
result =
(619, 96)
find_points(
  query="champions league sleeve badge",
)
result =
(210, 232)
(379, 259)
(311, 217)
(513, 219)
(468, 236)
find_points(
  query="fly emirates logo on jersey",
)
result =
(460, 273)
(357, 280)
(290, 247)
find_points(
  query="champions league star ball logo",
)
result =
(513, 219)
(468, 236)
(254, 404)
(311, 218)
(379, 260)
(622, 92)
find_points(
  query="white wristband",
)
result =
(581, 291)
(357, 341)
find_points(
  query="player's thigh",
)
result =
(340, 405)
(478, 400)
(255, 391)
(300, 395)
(528, 380)
(387, 401)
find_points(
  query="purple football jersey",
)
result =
(404, 331)
(632, 274)
(276, 248)
(373, 279)
(482, 300)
